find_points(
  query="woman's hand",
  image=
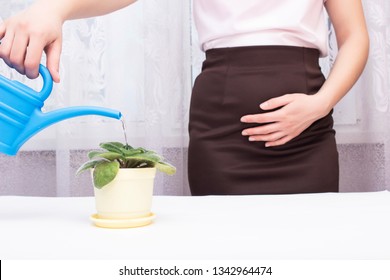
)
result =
(298, 111)
(295, 112)
(24, 37)
(38, 29)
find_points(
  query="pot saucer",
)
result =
(122, 223)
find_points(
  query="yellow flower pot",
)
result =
(127, 198)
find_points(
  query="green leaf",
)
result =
(93, 154)
(131, 152)
(147, 156)
(108, 155)
(117, 155)
(135, 163)
(166, 168)
(89, 164)
(115, 147)
(104, 173)
(128, 147)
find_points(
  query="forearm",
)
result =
(349, 64)
(352, 38)
(26, 35)
(76, 9)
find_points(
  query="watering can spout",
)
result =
(40, 121)
(21, 116)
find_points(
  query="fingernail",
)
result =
(264, 105)
(251, 139)
(267, 145)
(244, 133)
(243, 119)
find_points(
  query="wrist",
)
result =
(323, 104)
(58, 9)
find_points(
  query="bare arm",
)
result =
(25, 36)
(298, 111)
(352, 38)
(76, 9)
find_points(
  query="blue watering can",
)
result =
(21, 116)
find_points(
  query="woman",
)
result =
(260, 82)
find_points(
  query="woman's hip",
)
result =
(235, 81)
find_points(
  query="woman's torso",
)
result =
(232, 23)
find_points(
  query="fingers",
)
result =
(271, 104)
(275, 138)
(53, 53)
(18, 52)
(262, 118)
(279, 142)
(14, 52)
(22, 46)
(266, 133)
(33, 58)
(2, 30)
(6, 46)
(262, 130)
(267, 138)
(277, 102)
(277, 128)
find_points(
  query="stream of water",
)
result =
(124, 129)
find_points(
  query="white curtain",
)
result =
(142, 61)
(137, 61)
(366, 152)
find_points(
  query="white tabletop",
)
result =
(309, 226)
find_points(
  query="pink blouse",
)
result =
(232, 23)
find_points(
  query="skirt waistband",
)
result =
(263, 55)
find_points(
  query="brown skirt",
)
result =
(233, 83)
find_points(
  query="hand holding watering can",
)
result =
(21, 116)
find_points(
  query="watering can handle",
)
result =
(47, 83)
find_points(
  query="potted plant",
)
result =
(123, 179)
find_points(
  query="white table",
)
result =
(310, 226)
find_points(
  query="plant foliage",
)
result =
(107, 162)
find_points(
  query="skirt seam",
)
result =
(227, 57)
(305, 67)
